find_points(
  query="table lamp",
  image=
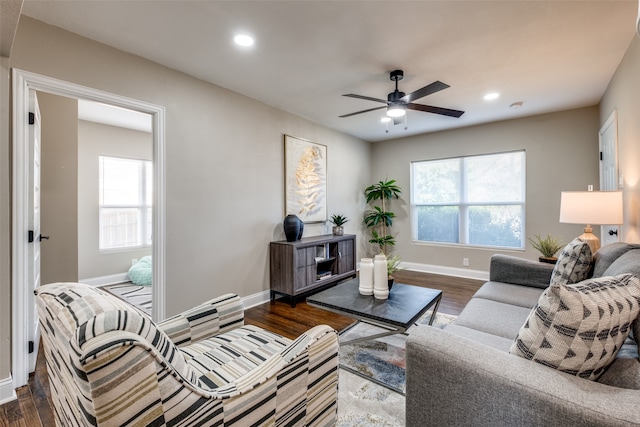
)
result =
(591, 207)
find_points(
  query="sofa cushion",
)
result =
(624, 372)
(493, 317)
(224, 358)
(579, 328)
(522, 296)
(606, 255)
(574, 263)
(629, 262)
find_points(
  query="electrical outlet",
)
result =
(465, 262)
(133, 261)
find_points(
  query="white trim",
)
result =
(7, 392)
(111, 279)
(448, 271)
(256, 299)
(23, 82)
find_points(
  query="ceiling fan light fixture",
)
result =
(396, 110)
(385, 119)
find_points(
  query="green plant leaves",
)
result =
(382, 190)
(339, 220)
(378, 216)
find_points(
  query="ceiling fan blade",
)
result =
(368, 98)
(363, 111)
(435, 110)
(427, 90)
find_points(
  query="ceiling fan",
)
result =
(398, 102)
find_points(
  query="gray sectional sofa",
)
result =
(464, 375)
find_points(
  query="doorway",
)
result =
(23, 83)
(609, 174)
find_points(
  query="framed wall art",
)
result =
(305, 179)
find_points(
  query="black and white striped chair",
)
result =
(109, 365)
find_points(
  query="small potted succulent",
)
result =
(548, 246)
(338, 221)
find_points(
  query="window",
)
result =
(125, 193)
(478, 200)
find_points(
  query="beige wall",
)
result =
(224, 171)
(96, 139)
(562, 154)
(623, 96)
(59, 184)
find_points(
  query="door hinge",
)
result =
(31, 347)
(601, 156)
(31, 236)
(32, 118)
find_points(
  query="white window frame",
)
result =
(464, 205)
(144, 206)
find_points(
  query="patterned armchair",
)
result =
(110, 365)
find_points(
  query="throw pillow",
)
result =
(579, 328)
(141, 272)
(574, 263)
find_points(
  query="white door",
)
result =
(609, 171)
(34, 227)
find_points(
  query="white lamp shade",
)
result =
(591, 207)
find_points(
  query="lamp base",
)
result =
(590, 239)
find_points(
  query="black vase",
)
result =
(293, 228)
(301, 229)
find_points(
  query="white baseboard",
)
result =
(7, 392)
(256, 299)
(448, 271)
(106, 280)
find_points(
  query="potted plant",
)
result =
(547, 246)
(338, 221)
(379, 217)
(393, 265)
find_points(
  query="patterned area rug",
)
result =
(382, 358)
(138, 296)
(365, 403)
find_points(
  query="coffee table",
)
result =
(405, 305)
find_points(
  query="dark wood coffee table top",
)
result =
(404, 307)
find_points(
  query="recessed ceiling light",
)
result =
(516, 105)
(491, 96)
(243, 40)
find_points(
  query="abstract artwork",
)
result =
(305, 175)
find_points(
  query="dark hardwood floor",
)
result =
(33, 407)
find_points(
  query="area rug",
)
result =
(382, 358)
(138, 296)
(363, 403)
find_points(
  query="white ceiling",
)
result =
(550, 55)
